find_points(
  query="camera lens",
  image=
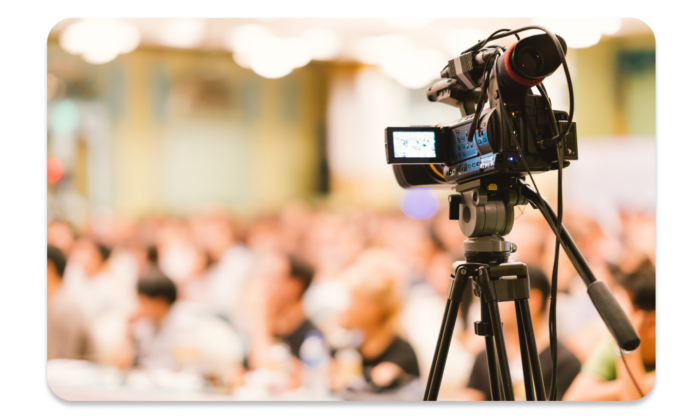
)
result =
(530, 61)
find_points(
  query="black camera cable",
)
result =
(559, 144)
(553, 302)
(482, 98)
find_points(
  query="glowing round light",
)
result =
(296, 51)
(325, 44)
(460, 39)
(577, 32)
(409, 23)
(100, 56)
(182, 33)
(416, 69)
(99, 41)
(373, 49)
(269, 59)
(410, 66)
(421, 203)
(242, 60)
(64, 117)
(243, 39)
(610, 26)
(54, 170)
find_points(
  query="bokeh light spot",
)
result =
(421, 203)
(54, 169)
(64, 117)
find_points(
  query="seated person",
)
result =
(388, 361)
(97, 288)
(68, 330)
(153, 326)
(568, 366)
(604, 376)
(171, 335)
(283, 319)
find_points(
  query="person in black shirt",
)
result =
(388, 362)
(478, 387)
(284, 319)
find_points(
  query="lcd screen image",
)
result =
(414, 144)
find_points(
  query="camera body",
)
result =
(444, 155)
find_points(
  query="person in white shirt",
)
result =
(104, 298)
(174, 336)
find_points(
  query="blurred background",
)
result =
(231, 230)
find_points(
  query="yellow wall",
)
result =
(262, 149)
(168, 156)
(608, 103)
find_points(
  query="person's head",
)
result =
(288, 281)
(540, 290)
(156, 295)
(56, 265)
(375, 300)
(92, 256)
(61, 235)
(641, 286)
(152, 255)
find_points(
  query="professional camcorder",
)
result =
(506, 132)
(516, 133)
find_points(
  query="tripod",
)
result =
(485, 211)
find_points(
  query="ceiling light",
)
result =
(243, 38)
(99, 41)
(268, 58)
(182, 33)
(578, 32)
(325, 44)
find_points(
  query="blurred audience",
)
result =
(568, 365)
(172, 336)
(155, 326)
(424, 307)
(388, 361)
(61, 235)
(259, 306)
(68, 331)
(604, 375)
(90, 278)
(284, 319)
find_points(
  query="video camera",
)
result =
(516, 133)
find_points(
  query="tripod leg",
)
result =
(494, 377)
(523, 308)
(437, 351)
(494, 374)
(525, 358)
(503, 367)
(441, 350)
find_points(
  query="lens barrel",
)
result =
(528, 62)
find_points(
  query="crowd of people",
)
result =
(335, 304)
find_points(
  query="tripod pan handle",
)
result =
(613, 316)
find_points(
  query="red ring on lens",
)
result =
(517, 79)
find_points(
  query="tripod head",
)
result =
(486, 206)
(485, 210)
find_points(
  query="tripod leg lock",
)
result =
(483, 329)
(458, 283)
(488, 290)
